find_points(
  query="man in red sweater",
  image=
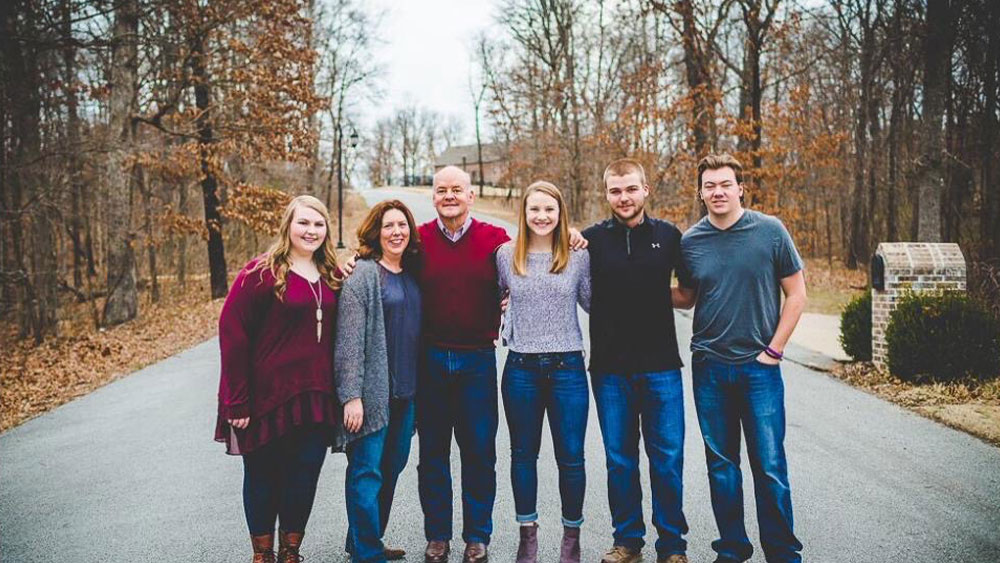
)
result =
(457, 389)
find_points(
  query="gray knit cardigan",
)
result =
(361, 359)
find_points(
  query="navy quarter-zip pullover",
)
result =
(631, 315)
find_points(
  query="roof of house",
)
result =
(453, 155)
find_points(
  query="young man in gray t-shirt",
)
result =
(739, 262)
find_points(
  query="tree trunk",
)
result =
(209, 180)
(182, 239)
(74, 225)
(990, 224)
(122, 302)
(937, 56)
(139, 177)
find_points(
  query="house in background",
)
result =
(466, 157)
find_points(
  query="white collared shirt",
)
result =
(454, 237)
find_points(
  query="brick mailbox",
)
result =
(914, 266)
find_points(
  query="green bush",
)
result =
(856, 327)
(942, 337)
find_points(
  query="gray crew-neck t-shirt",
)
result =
(737, 275)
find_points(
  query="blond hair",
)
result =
(277, 258)
(560, 240)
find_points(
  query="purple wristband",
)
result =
(771, 352)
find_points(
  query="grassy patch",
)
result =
(831, 286)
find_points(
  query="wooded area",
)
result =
(144, 139)
(117, 115)
(860, 120)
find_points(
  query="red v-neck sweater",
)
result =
(458, 284)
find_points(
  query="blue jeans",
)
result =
(654, 403)
(533, 384)
(279, 480)
(374, 462)
(750, 395)
(457, 391)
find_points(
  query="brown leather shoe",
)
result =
(475, 552)
(288, 547)
(622, 554)
(393, 553)
(263, 548)
(437, 551)
(675, 558)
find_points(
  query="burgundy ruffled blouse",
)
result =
(273, 369)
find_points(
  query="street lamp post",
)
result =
(340, 180)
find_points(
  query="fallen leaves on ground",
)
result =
(36, 379)
(970, 406)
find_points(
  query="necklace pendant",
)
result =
(319, 331)
(319, 314)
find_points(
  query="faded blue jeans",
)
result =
(752, 396)
(532, 385)
(457, 392)
(654, 403)
(374, 463)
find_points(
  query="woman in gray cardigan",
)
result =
(378, 334)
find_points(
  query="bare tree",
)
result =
(122, 302)
(937, 53)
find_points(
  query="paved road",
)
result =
(129, 473)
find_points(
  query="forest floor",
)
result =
(36, 379)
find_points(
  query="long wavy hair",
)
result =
(277, 258)
(560, 238)
(370, 234)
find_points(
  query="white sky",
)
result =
(427, 54)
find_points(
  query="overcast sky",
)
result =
(427, 54)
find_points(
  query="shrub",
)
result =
(942, 337)
(856, 327)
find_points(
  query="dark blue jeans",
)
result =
(654, 403)
(533, 384)
(751, 395)
(457, 392)
(279, 480)
(374, 463)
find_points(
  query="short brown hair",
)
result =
(624, 166)
(369, 233)
(717, 162)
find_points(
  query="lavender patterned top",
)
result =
(542, 314)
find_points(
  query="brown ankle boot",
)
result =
(263, 548)
(288, 547)
(527, 549)
(569, 552)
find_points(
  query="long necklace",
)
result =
(318, 296)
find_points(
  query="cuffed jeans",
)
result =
(279, 480)
(654, 403)
(534, 384)
(457, 391)
(750, 395)
(374, 462)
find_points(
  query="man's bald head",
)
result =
(451, 176)
(452, 195)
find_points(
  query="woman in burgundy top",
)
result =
(276, 403)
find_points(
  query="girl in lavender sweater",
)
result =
(545, 370)
(276, 404)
